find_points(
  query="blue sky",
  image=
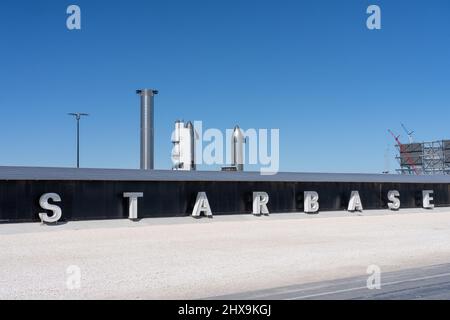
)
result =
(310, 68)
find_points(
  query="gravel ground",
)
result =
(189, 259)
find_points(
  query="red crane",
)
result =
(403, 151)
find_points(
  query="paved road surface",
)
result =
(431, 283)
(183, 258)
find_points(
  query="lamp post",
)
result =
(78, 116)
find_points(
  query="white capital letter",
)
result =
(355, 203)
(374, 21)
(393, 197)
(427, 199)
(311, 202)
(57, 212)
(202, 206)
(74, 20)
(260, 201)
(133, 203)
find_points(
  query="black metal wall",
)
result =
(87, 200)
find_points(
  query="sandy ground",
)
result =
(186, 259)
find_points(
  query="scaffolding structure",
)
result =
(426, 158)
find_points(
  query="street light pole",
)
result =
(78, 116)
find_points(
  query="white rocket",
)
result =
(183, 153)
(237, 149)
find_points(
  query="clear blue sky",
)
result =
(310, 68)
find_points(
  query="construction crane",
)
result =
(403, 151)
(409, 133)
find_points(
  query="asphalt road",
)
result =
(427, 283)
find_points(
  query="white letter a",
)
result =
(374, 21)
(202, 206)
(74, 20)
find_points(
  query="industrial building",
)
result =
(428, 158)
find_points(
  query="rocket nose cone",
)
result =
(237, 133)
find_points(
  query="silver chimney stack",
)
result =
(147, 128)
(237, 149)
